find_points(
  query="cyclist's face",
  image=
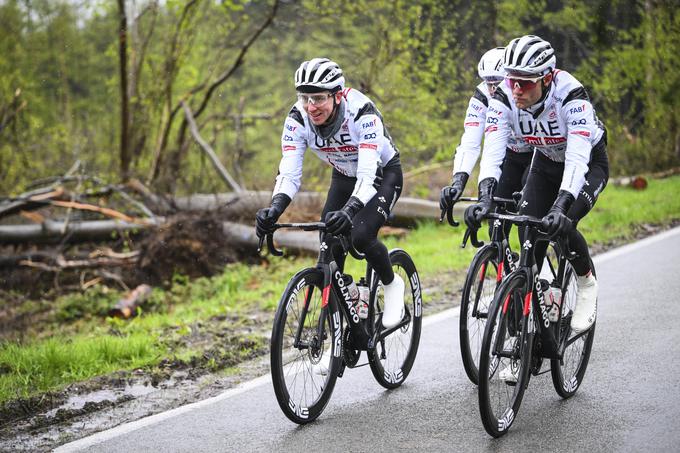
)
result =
(527, 92)
(319, 106)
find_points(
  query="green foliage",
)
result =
(416, 60)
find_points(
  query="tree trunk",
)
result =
(124, 95)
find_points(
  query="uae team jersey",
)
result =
(564, 128)
(470, 146)
(361, 145)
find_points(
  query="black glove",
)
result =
(555, 221)
(340, 222)
(476, 212)
(267, 217)
(451, 194)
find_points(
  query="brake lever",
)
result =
(473, 239)
(466, 236)
(471, 234)
(448, 212)
(270, 245)
(449, 217)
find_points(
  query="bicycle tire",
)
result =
(392, 358)
(499, 401)
(302, 393)
(567, 373)
(480, 284)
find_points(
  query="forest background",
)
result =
(107, 83)
(102, 82)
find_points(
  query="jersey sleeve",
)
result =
(370, 130)
(496, 136)
(470, 146)
(293, 147)
(581, 128)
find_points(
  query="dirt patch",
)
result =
(190, 244)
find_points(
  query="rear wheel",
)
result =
(505, 356)
(567, 373)
(478, 291)
(304, 368)
(391, 358)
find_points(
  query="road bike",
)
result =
(521, 330)
(489, 265)
(318, 331)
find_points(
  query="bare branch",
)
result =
(239, 59)
(209, 151)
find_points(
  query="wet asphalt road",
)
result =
(629, 401)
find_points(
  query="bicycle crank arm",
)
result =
(387, 332)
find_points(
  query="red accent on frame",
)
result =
(499, 276)
(505, 304)
(482, 272)
(324, 296)
(527, 303)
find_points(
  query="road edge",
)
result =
(119, 430)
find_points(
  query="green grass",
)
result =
(54, 362)
(77, 341)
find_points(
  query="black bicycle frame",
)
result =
(553, 340)
(364, 334)
(503, 253)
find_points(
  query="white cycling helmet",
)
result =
(319, 74)
(490, 66)
(529, 55)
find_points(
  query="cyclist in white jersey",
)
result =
(517, 155)
(345, 129)
(551, 111)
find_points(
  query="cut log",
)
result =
(127, 306)
(635, 182)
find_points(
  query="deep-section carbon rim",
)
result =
(392, 358)
(304, 376)
(480, 287)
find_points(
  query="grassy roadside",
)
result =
(73, 340)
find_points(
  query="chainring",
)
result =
(349, 355)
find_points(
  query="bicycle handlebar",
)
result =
(345, 239)
(542, 225)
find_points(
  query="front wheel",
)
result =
(391, 358)
(305, 347)
(505, 357)
(478, 291)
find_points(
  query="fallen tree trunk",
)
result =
(406, 212)
(54, 231)
(303, 242)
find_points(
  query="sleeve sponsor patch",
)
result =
(577, 93)
(368, 146)
(480, 97)
(296, 115)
